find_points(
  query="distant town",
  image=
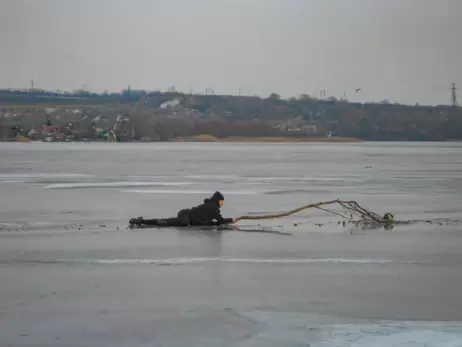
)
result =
(137, 115)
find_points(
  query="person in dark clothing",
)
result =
(207, 213)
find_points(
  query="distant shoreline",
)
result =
(210, 138)
(274, 139)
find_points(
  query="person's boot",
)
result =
(136, 221)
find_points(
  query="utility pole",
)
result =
(454, 96)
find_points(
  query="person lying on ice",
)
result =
(207, 213)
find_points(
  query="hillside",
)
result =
(157, 116)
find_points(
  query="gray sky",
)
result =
(402, 50)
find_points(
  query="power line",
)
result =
(454, 96)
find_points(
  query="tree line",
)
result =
(227, 115)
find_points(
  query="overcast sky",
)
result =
(402, 50)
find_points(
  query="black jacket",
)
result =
(207, 213)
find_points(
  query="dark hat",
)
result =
(217, 196)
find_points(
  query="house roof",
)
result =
(50, 128)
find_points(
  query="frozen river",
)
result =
(71, 274)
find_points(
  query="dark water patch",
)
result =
(446, 210)
(248, 229)
(301, 224)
